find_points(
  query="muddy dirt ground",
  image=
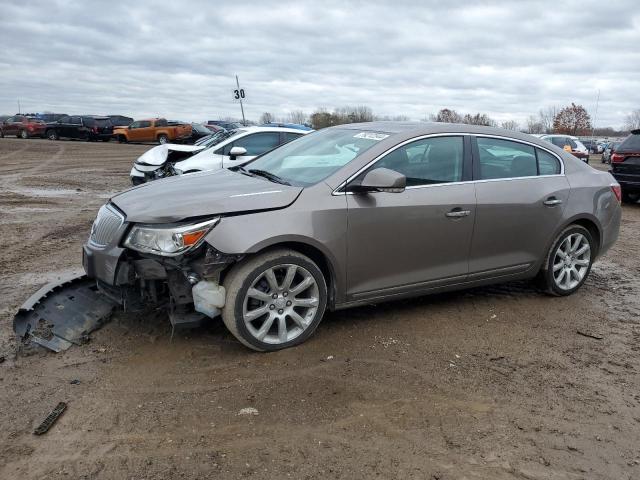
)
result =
(493, 383)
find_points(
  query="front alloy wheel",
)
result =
(569, 261)
(274, 300)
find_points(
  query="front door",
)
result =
(521, 195)
(420, 238)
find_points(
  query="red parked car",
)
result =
(22, 127)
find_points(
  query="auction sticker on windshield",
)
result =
(371, 135)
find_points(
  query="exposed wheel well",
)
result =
(593, 230)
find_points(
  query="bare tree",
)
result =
(447, 115)
(479, 119)
(298, 116)
(572, 120)
(546, 117)
(266, 117)
(632, 122)
(511, 125)
(534, 125)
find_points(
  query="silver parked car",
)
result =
(350, 215)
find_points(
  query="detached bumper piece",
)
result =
(63, 313)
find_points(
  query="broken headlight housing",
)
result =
(168, 240)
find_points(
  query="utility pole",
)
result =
(240, 96)
(19, 110)
(595, 116)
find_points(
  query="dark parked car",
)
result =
(83, 127)
(198, 131)
(120, 120)
(22, 127)
(625, 166)
(592, 145)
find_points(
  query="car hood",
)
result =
(158, 154)
(200, 194)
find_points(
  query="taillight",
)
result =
(617, 158)
(617, 191)
(30, 127)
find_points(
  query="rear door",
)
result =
(521, 191)
(75, 128)
(255, 144)
(420, 238)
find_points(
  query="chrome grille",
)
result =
(106, 226)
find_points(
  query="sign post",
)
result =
(238, 94)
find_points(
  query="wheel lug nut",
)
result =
(280, 311)
(275, 295)
(289, 303)
(272, 306)
(285, 294)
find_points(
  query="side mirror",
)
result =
(237, 152)
(381, 180)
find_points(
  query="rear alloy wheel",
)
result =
(163, 139)
(569, 261)
(52, 135)
(24, 134)
(274, 300)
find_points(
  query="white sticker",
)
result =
(371, 136)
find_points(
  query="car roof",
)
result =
(427, 128)
(254, 129)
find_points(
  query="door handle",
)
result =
(458, 213)
(552, 202)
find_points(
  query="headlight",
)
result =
(170, 240)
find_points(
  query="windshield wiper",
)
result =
(268, 176)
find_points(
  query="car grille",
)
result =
(106, 226)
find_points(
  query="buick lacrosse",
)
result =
(351, 215)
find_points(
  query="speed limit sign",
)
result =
(238, 94)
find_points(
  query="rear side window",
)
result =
(159, 123)
(103, 122)
(547, 164)
(560, 141)
(88, 121)
(505, 159)
(258, 143)
(75, 121)
(630, 144)
(144, 124)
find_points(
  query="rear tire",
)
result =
(569, 261)
(628, 197)
(274, 300)
(163, 139)
(122, 139)
(24, 134)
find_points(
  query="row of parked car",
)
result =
(105, 128)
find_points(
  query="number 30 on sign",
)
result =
(238, 94)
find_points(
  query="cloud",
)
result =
(178, 59)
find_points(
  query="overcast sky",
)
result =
(178, 59)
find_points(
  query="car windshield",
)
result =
(313, 157)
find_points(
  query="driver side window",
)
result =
(428, 161)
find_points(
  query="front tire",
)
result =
(274, 300)
(52, 135)
(569, 261)
(24, 134)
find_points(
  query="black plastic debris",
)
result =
(51, 419)
(62, 314)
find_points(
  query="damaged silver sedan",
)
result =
(351, 215)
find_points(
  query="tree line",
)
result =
(572, 119)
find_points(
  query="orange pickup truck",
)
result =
(152, 130)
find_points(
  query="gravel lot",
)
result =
(493, 383)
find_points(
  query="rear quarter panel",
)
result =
(591, 198)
